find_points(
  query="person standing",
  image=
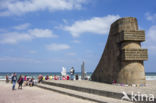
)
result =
(20, 82)
(31, 82)
(40, 78)
(72, 71)
(76, 77)
(25, 78)
(14, 79)
(7, 79)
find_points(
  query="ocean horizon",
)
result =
(149, 75)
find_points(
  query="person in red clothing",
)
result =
(63, 78)
(67, 77)
(25, 78)
(20, 82)
(55, 77)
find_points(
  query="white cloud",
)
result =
(150, 42)
(32, 52)
(57, 47)
(76, 41)
(97, 25)
(22, 26)
(3, 30)
(16, 37)
(71, 54)
(41, 33)
(152, 49)
(19, 60)
(18, 7)
(5, 13)
(152, 33)
(65, 21)
(150, 17)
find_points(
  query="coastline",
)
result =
(149, 75)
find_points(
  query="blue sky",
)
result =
(44, 35)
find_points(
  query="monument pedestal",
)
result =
(122, 59)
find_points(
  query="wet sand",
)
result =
(34, 95)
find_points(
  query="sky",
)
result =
(45, 35)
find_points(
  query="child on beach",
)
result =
(20, 82)
(55, 77)
(50, 77)
(63, 78)
(47, 77)
(67, 77)
(7, 79)
(14, 79)
(31, 82)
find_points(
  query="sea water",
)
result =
(149, 75)
(36, 74)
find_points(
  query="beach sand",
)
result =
(34, 95)
(37, 95)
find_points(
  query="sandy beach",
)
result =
(34, 95)
(38, 95)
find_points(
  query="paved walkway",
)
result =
(150, 87)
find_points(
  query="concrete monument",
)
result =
(83, 74)
(122, 59)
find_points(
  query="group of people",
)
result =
(30, 81)
(20, 81)
(63, 77)
(41, 77)
(14, 80)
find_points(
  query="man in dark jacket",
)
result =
(14, 79)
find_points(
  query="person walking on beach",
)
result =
(14, 79)
(20, 82)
